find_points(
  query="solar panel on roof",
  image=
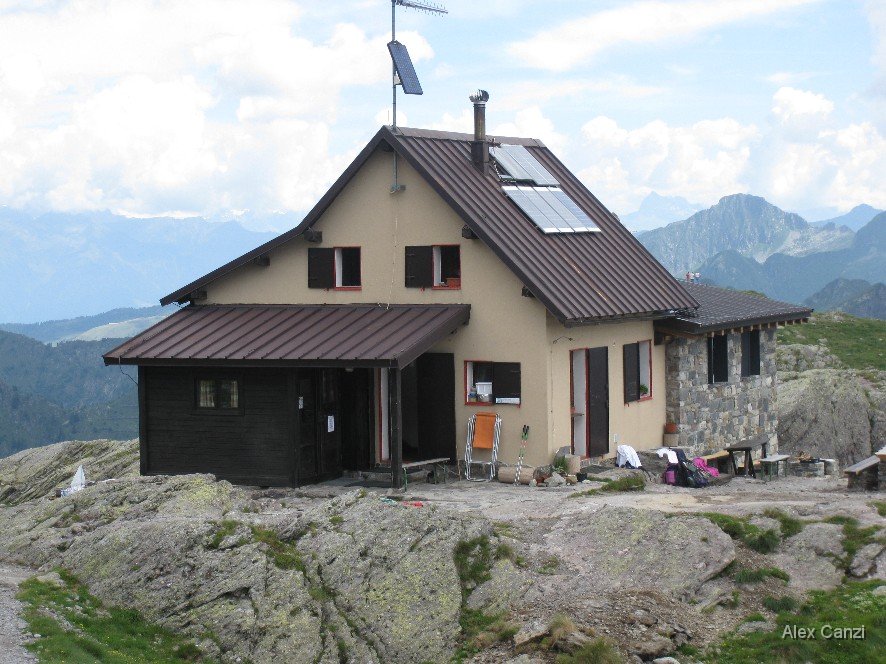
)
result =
(551, 209)
(405, 70)
(521, 165)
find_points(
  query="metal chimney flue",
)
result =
(479, 146)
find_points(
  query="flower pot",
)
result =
(670, 427)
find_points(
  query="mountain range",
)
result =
(795, 278)
(852, 296)
(60, 265)
(854, 219)
(747, 225)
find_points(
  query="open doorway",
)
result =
(428, 395)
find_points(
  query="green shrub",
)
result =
(758, 575)
(779, 604)
(790, 526)
(598, 651)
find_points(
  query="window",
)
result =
(492, 382)
(218, 393)
(718, 359)
(750, 353)
(637, 371)
(338, 267)
(435, 266)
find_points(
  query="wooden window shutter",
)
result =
(419, 267)
(745, 353)
(506, 380)
(710, 360)
(321, 268)
(632, 371)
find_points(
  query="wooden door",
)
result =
(330, 424)
(598, 401)
(307, 423)
(436, 405)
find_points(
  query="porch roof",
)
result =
(358, 335)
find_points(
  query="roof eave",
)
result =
(687, 326)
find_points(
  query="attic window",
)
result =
(435, 266)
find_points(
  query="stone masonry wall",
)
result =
(710, 417)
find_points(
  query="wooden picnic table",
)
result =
(746, 447)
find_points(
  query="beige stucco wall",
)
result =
(504, 326)
(639, 424)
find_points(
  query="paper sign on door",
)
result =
(330, 423)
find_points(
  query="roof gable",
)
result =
(578, 277)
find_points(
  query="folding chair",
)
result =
(484, 430)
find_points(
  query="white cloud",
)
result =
(799, 160)
(154, 106)
(791, 103)
(531, 122)
(580, 39)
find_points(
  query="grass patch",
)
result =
(854, 538)
(473, 560)
(790, 526)
(762, 541)
(759, 575)
(850, 605)
(550, 566)
(481, 630)
(857, 342)
(880, 506)
(99, 634)
(283, 554)
(755, 617)
(779, 604)
(628, 483)
(598, 651)
(225, 529)
(336, 519)
(506, 551)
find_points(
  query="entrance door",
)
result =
(319, 427)
(598, 401)
(330, 424)
(356, 419)
(308, 424)
(436, 405)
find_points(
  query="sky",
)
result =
(252, 109)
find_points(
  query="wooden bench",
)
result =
(718, 460)
(438, 467)
(864, 474)
(746, 447)
(770, 463)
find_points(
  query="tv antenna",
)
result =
(402, 70)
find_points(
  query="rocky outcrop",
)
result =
(353, 573)
(34, 473)
(826, 410)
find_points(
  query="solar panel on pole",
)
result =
(405, 70)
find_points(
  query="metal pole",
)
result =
(394, 73)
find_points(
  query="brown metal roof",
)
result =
(581, 277)
(725, 308)
(293, 335)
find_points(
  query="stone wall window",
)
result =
(718, 359)
(750, 353)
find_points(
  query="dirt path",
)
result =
(12, 627)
